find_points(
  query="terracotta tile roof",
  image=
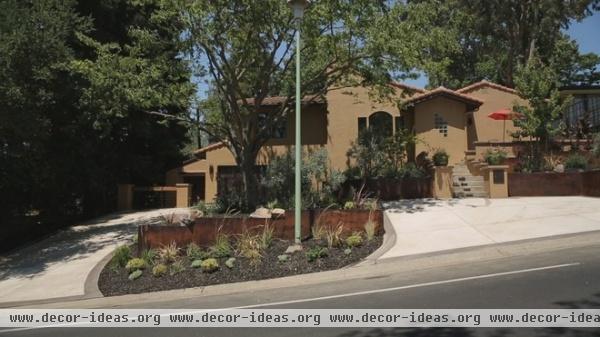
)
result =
(210, 147)
(278, 100)
(441, 91)
(407, 87)
(485, 83)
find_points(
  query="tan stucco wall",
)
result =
(333, 126)
(430, 139)
(485, 128)
(345, 106)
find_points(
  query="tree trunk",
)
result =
(247, 166)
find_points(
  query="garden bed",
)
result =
(115, 280)
(554, 184)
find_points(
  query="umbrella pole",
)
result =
(504, 131)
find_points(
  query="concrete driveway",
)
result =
(426, 226)
(58, 266)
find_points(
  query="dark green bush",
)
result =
(576, 161)
(315, 253)
(495, 157)
(440, 158)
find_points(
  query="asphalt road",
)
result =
(504, 283)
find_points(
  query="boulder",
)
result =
(261, 213)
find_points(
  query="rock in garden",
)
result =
(261, 213)
(276, 212)
(293, 249)
(560, 168)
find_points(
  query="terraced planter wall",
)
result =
(554, 184)
(204, 230)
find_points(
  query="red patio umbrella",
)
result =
(503, 115)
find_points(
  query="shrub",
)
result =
(440, 158)
(354, 240)
(249, 246)
(576, 161)
(135, 264)
(120, 257)
(333, 235)
(176, 268)
(149, 255)
(196, 263)
(347, 251)
(135, 275)
(209, 265)
(495, 157)
(266, 236)
(230, 263)
(159, 270)
(221, 247)
(169, 253)
(596, 145)
(206, 208)
(349, 205)
(316, 253)
(194, 252)
(370, 229)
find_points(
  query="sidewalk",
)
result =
(58, 266)
(426, 226)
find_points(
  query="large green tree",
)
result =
(244, 50)
(76, 78)
(492, 38)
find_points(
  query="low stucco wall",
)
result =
(554, 184)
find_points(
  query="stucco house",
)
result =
(454, 120)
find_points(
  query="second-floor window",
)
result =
(279, 130)
(440, 124)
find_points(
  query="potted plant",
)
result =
(440, 158)
(495, 157)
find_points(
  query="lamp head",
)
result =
(298, 7)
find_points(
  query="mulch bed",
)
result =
(116, 282)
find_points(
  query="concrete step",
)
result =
(467, 179)
(469, 190)
(471, 195)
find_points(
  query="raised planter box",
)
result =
(204, 230)
(554, 184)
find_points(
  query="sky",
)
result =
(586, 33)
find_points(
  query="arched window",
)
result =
(381, 123)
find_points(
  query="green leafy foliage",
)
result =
(540, 119)
(120, 257)
(135, 264)
(283, 258)
(196, 263)
(209, 265)
(221, 247)
(495, 157)
(194, 252)
(354, 240)
(176, 268)
(160, 270)
(440, 157)
(374, 156)
(76, 79)
(576, 161)
(316, 253)
(149, 255)
(596, 145)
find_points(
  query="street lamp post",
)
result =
(298, 7)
